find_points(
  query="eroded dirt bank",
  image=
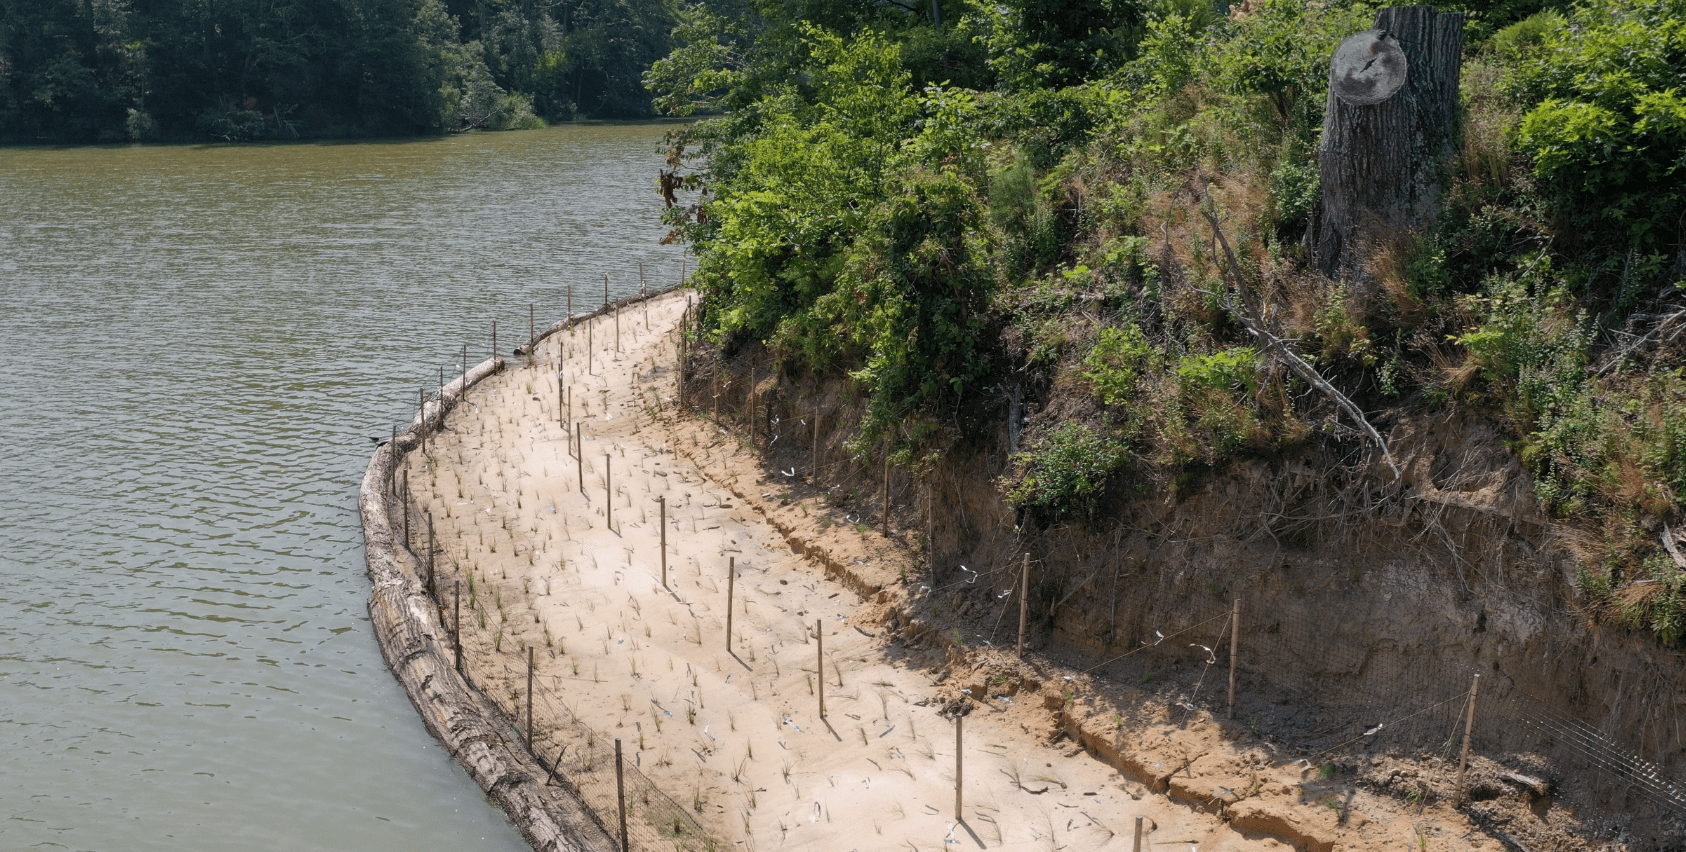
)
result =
(562, 555)
(1369, 606)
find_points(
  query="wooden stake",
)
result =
(662, 500)
(579, 455)
(819, 641)
(1469, 724)
(959, 761)
(532, 334)
(529, 698)
(930, 530)
(608, 495)
(403, 497)
(588, 348)
(617, 328)
(430, 549)
(605, 291)
(1234, 644)
(620, 792)
(494, 342)
(717, 393)
(731, 579)
(684, 325)
(1138, 847)
(816, 443)
(886, 487)
(749, 416)
(403, 489)
(561, 398)
(1024, 601)
(456, 625)
(464, 366)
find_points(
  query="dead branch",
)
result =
(1633, 345)
(1248, 314)
(1673, 552)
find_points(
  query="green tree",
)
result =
(1040, 44)
(74, 70)
(68, 70)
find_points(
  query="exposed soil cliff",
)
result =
(1368, 606)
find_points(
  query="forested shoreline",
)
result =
(79, 71)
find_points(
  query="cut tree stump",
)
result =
(1388, 128)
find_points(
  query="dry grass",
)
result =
(1391, 268)
(1484, 158)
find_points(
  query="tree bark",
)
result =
(1381, 162)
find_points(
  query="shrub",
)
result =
(515, 112)
(1025, 215)
(1210, 414)
(1533, 348)
(1231, 369)
(139, 126)
(239, 125)
(1341, 332)
(1525, 36)
(1607, 126)
(1115, 364)
(1660, 604)
(1065, 472)
(1280, 50)
(1295, 189)
(910, 305)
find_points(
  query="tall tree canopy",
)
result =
(108, 70)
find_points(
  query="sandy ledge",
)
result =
(555, 556)
(737, 731)
(410, 628)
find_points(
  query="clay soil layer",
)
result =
(563, 556)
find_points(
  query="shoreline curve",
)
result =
(414, 642)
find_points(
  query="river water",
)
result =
(196, 345)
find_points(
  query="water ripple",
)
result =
(198, 343)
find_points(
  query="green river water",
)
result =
(197, 344)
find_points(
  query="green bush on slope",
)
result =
(1607, 130)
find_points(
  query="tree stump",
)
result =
(1388, 128)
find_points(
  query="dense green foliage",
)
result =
(113, 70)
(1607, 131)
(1066, 471)
(954, 214)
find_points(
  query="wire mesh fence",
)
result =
(1321, 689)
(1316, 682)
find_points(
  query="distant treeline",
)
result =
(114, 70)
